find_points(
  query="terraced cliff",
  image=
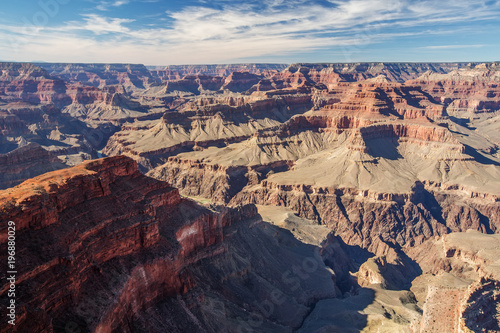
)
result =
(107, 249)
(375, 183)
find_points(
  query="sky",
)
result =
(159, 32)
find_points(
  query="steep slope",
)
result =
(65, 115)
(106, 249)
(397, 72)
(29, 83)
(363, 171)
(471, 99)
(203, 122)
(104, 105)
(378, 163)
(179, 71)
(26, 162)
(131, 255)
(131, 76)
(459, 285)
(470, 89)
(61, 219)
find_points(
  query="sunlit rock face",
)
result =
(329, 197)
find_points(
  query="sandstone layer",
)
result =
(26, 162)
(377, 186)
(106, 249)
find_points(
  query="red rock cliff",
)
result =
(100, 242)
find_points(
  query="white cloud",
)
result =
(451, 47)
(198, 34)
(106, 5)
(119, 3)
(99, 24)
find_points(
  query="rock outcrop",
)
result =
(28, 83)
(397, 72)
(107, 249)
(200, 124)
(470, 90)
(131, 76)
(26, 162)
(63, 112)
(365, 172)
(369, 155)
(90, 219)
(179, 71)
(458, 287)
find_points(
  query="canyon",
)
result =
(252, 197)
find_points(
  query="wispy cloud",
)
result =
(99, 24)
(106, 5)
(451, 47)
(226, 31)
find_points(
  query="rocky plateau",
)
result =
(252, 197)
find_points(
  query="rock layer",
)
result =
(372, 170)
(85, 223)
(26, 162)
(107, 249)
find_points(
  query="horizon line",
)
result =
(252, 63)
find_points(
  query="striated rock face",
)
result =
(62, 112)
(106, 249)
(240, 81)
(398, 72)
(130, 76)
(458, 286)
(110, 104)
(379, 167)
(380, 162)
(87, 95)
(90, 219)
(26, 162)
(471, 90)
(331, 75)
(218, 182)
(179, 71)
(481, 308)
(363, 171)
(32, 84)
(203, 123)
(194, 84)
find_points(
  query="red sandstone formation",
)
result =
(472, 90)
(174, 72)
(26, 162)
(369, 127)
(389, 169)
(396, 72)
(102, 245)
(240, 81)
(99, 75)
(87, 95)
(31, 84)
(81, 223)
(202, 123)
(38, 107)
(194, 84)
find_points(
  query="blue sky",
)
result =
(158, 32)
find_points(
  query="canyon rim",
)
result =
(258, 166)
(251, 197)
